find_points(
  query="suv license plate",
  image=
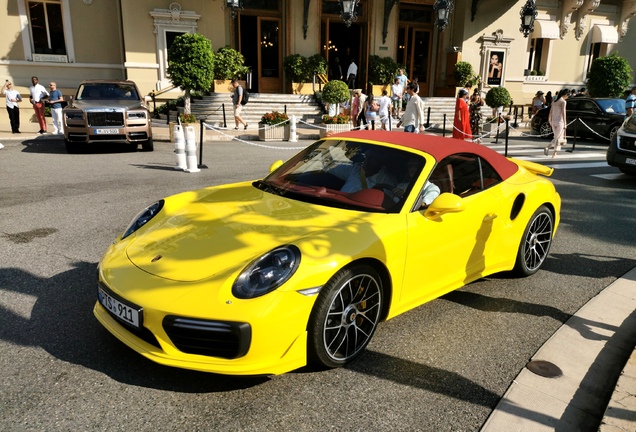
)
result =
(106, 131)
(123, 312)
(630, 161)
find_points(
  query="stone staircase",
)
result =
(304, 107)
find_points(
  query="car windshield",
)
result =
(107, 91)
(612, 105)
(348, 174)
(630, 124)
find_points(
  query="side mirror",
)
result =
(445, 203)
(273, 167)
(147, 98)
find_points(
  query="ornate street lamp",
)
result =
(443, 9)
(348, 11)
(528, 15)
(234, 5)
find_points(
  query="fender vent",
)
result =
(517, 206)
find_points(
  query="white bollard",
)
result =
(179, 148)
(292, 130)
(191, 150)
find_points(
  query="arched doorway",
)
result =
(415, 42)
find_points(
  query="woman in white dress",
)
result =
(557, 121)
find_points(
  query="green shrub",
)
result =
(382, 70)
(463, 73)
(609, 76)
(498, 96)
(273, 118)
(297, 68)
(337, 119)
(317, 64)
(335, 91)
(229, 64)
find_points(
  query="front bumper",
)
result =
(621, 152)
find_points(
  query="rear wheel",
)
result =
(148, 145)
(545, 130)
(536, 242)
(345, 316)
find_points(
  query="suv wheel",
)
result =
(545, 130)
(72, 147)
(148, 145)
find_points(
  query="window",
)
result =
(464, 174)
(595, 52)
(47, 28)
(536, 59)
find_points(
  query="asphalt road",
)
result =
(441, 367)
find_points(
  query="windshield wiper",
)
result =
(268, 187)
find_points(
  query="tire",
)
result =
(545, 130)
(345, 316)
(628, 171)
(613, 131)
(148, 145)
(536, 242)
(72, 147)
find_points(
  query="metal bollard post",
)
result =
(179, 148)
(507, 134)
(428, 117)
(515, 124)
(292, 129)
(576, 131)
(191, 151)
(224, 120)
(444, 127)
(497, 136)
(202, 125)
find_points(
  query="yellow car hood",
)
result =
(224, 228)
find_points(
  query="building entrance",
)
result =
(341, 44)
(260, 44)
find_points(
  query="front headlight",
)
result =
(143, 218)
(136, 114)
(267, 273)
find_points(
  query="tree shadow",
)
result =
(61, 322)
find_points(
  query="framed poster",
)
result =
(495, 69)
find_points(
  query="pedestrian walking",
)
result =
(237, 98)
(13, 98)
(371, 108)
(476, 102)
(55, 101)
(557, 120)
(414, 114)
(397, 92)
(351, 74)
(384, 102)
(38, 96)
(461, 123)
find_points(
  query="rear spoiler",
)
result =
(533, 167)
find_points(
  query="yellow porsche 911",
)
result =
(266, 276)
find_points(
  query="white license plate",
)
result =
(106, 131)
(117, 308)
(630, 161)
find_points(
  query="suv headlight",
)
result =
(137, 115)
(143, 218)
(267, 273)
(74, 115)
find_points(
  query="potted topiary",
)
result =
(297, 74)
(335, 124)
(609, 76)
(334, 93)
(497, 98)
(382, 72)
(228, 64)
(463, 73)
(274, 126)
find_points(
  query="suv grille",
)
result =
(106, 119)
(627, 143)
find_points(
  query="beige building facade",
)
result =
(67, 41)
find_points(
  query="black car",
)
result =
(598, 116)
(622, 150)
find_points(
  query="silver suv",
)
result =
(621, 152)
(107, 111)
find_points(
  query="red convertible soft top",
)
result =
(436, 146)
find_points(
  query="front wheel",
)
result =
(536, 242)
(613, 130)
(345, 316)
(148, 145)
(545, 130)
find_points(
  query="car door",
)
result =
(450, 250)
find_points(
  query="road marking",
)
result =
(613, 176)
(579, 165)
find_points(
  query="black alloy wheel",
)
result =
(536, 242)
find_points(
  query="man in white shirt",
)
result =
(384, 102)
(13, 97)
(414, 115)
(397, 92)
(351, 74)
(38, 95)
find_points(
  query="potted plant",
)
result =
(382, 72)
(335, 124)
(186, 120)
(334, 93)
(228, 64)
(271, 127)
(463, 74)
(298, 74)
(497, 98)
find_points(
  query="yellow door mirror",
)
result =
(273, 167)
(445, 203)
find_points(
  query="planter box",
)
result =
(274, 133)
(225, 86)
(334, 129)
(303, 88)
(197, 131)
(378, 89)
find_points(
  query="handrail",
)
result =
(153, 94)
